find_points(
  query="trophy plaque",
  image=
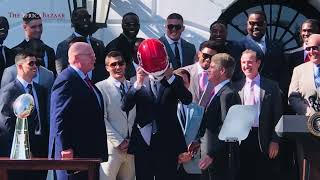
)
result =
(22, 108)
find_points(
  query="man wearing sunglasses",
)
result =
(32, 26)
(43, 76)
(273, 64)
(120, 165)
(306, 79)
(125, 41)
(303, 95)
(198, 72)
(37, 121)
(83, 29)
(181, 53)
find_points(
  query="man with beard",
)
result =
(181, 53)
(218, 34)
(83, 27)
(32, 26)
(6, 54)
(273, 65)
(123, 43)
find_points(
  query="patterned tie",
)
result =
(122, 90)
(183, 116)
(89, 83)
(177, 54)
(203, 81)
(317, 76)
(34, 115)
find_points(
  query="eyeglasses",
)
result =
(206, 56)
(119, 63)
(252, 23)
(176, 26)
(32, 63)
(314, 48)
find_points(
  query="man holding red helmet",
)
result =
(157, 138)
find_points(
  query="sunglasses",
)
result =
(314, 48)
(252, 23)
(206, 56)
(32, 63)
(176, 26)
(114, 64)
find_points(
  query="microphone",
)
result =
(313, 98)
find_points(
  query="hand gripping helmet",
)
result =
(153, 58)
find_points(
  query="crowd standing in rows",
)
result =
(93, 101)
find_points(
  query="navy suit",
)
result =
(38, 143)
(168, 142)
(76, 119)
(188, 52)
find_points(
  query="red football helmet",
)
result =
(153, 58)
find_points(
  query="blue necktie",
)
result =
(317, 76)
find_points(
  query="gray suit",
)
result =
(188, 52)
(194, 114)
(118, 126)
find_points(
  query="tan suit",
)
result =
(120, 165)
(301, 87)
(194, 84)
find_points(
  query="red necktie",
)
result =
(89, 83)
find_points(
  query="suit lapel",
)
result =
(309, 75)
(262, 90)
(241, 92)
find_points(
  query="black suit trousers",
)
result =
(255, 165)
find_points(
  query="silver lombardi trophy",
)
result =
(22, 108)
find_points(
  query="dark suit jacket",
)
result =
(270, 110)
(9, 59)
(76, 119)
(38, 143)
(99, 72)
(273, 64)
(50, 53)
(211, 124)
(233, 48)
(169, 138)
(122, 44)
(188, 52)
(294, 59)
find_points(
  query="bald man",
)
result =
(77, 125)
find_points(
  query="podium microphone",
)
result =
(313, 98)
